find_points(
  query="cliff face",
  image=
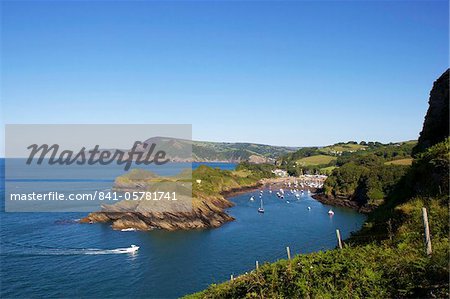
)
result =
(205, 214)
(206, 210)
(436, 124)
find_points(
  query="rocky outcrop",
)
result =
(166, 221)
(436, 124)
(257, 159)
(343, 202)
(203, 206)
(206, 212)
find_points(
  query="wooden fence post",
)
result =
(427, 231)
(338, 235)
(288, 253)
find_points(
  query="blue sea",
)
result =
(51, 255)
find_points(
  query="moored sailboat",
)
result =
(261, 208)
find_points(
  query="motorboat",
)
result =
(132, 249)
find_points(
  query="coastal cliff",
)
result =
(207, 209)
(388, 257)
(436, 126)
(205, 214)
(364, 180)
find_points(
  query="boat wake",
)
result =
(31, 250)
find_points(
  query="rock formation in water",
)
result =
(205, 214)
(206, 210)
(436, 124)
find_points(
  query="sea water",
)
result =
(52, 255)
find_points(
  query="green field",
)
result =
(315, 160)
(407, 161)
(342, 148)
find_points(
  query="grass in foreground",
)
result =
(392, 268)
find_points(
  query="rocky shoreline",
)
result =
(207, 212)
(343, 202)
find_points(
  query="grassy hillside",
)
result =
(324, 159)
(204, 151)
(386, 259)
(215, 151)
(366, 180)
(316, 160)
(214, 180)
(340, 148)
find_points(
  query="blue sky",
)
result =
(285, 73)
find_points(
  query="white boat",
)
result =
(330, 212)
(133, 248)
(309, 208)
(252, 198)
(130, 229)
(261, 208)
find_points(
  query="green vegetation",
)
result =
(365, 180)
(138, 174)
(407, 162)
(385, 259)
(215, 151)
(338, 148)
(214, 180)
(315, 160)
(386, 152)
(204, 151)
(327, 170)
(369, 271)
(258, 171)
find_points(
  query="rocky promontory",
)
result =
(206, 215)
(206, 208)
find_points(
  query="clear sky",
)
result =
(285, 73)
